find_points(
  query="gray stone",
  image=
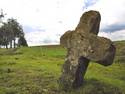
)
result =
(83, 45)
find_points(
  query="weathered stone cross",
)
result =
(83, 45)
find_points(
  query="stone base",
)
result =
(73, 78)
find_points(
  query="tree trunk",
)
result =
(11, 44)
(14, 43)
(6, 46)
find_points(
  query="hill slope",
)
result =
(35, 70)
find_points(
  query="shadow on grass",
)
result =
(94, 86)
(13, 51)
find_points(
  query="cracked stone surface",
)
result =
(83, 45)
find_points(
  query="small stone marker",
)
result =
(83, 45)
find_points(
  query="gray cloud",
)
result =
(89, 3)
(32, 29)
(49, 41)
(114, 27)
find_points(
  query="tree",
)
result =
(11, 31)
(4, 35)
(15, 29)
(1, 31)
(22, 41)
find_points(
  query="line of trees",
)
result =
(10, 32)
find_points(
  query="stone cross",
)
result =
(83, 45)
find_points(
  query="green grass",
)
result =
(35, 70)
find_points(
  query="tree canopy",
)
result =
(11, 31)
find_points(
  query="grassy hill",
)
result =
(35, 70)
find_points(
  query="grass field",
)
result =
(35, 70)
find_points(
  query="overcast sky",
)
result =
(44, 21)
